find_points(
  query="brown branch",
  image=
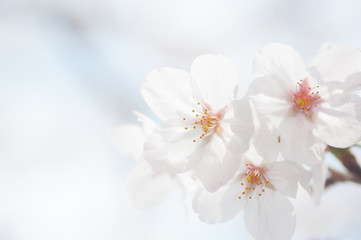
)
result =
(337, 176)
(348, 160)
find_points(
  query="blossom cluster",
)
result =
(252, 153)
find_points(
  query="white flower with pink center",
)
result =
(261, 191)
(196, 110)
(305, 98)
(309, 107)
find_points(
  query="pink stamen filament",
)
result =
(305, 98)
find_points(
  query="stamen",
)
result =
(208, 120)
(303, 99)
(253, 181)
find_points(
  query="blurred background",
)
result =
(72, 69)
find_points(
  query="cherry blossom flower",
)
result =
(309, 107)
(261, 190)
(196, 110)
(145, 187)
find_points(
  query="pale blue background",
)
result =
(71, 69)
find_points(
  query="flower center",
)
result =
(253, 181)
(305, 98)
(206, 120)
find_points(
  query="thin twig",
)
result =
(337, 176)
(347, 159)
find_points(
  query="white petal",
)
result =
(216, 167)
(340, 126)
(336, 63)
(272, 87)
(280, 62)
(147, 123)
(220, 206)
(129, 139)
(350, 86)
(268, 142)
(217, 78)
(242, 124)
(170, 148)
(270, 217)
(319, 179)
(270, 108)
(284, 176)
(297, 133)
(147, 188)
(168, 91)
(353, 83)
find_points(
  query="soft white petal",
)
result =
(340, 125)
(216, 167)
(319, 172)
(242, 124)
(148, 124)
(353, 83)
(220, 206)
(272, 87)
(270, 217)
(270, 108)
(168, 91)
(281, 63)
(217, 78)
(336, 63)
(129, 140)
(253, 157)
(170, 148)
(284, 176)
(225, 123)
(146, 188)
(268, 142)
(297, 133)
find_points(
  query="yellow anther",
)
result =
(259, 194)
(194, 140)
(250, 197)
(184, 118)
